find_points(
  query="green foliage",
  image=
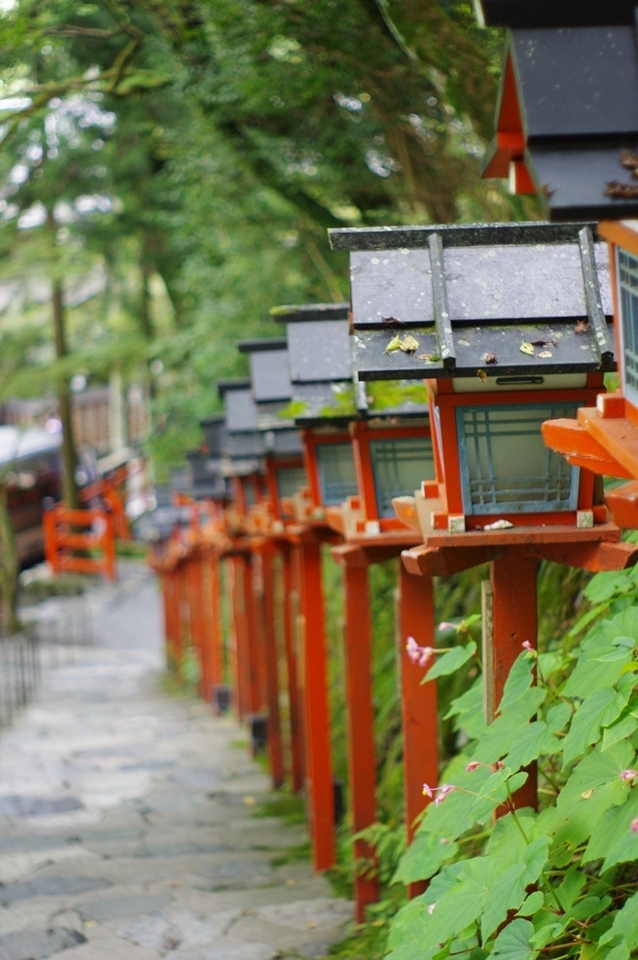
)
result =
(561, 880)
(394, 394)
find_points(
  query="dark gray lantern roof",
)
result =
(471, 296)
(302, 312)
(269, 374)
(214, 434)
(243, 441)
(577, 92)
(320, 358)
(556, 13)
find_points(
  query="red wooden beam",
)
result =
(316, 710)
(418, 701)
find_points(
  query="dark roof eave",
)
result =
(456, 235)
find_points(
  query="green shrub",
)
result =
(561, 881)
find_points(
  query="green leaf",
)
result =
(468, 708)
(520, 679)
(513, 942)
(528, 746)
(450, 662)
(587, 721)
(619, 731)
(532, 904)
(425, 855)
(508, 891)
(606, 585)
(625, 925)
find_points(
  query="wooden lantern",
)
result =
(567, 114)
(505, 323)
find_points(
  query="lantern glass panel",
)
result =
(249, 493)
(290, 481)
(337, 476)
(506, 467)
(628, 277)
(399, 467)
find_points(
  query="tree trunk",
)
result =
(9, 563)
(69, 484)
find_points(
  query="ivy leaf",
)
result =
(587, 721)
(450, 662)
(513, 942)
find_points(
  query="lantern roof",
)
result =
(269, 374)
(302, 312)
(206, 477)
(567, 115)
(272, 393)
(526, 14)
(442, 301)
(243, 443)
(324, 384)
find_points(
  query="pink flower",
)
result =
(431, 908)
(417, 654)
(427, 791)
(447, 626)
(634, 825)
(526, 645)
(472, 766)
(499, 765)
(628, 775)
(443, 792)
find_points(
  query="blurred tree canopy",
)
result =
(189, 156)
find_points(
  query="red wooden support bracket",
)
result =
(418, 701)
(316, 710)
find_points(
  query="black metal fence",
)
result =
(19, 672)
(59, 635)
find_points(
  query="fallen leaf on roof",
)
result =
(498, 525)
(393, 345)
(538, 343)
(581, 327)
(392, 321)
(527, 348)
(481, 374)
(463, 342)
(409, 344)
(545, 354)
(621, 191)
(489, 358)
(429, 357)
(629, 161)
(554, 341)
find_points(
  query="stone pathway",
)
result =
(127, 827)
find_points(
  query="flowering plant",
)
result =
(560, 881)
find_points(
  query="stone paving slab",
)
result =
(127, 827)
